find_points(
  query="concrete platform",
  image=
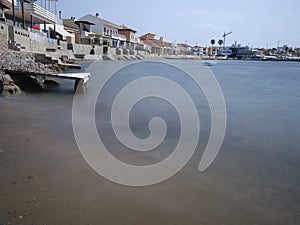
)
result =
(81, 79)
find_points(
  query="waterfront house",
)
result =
(167, 47)
(73, 28)
(103, 32)
(155, 45)
(185, 49)
(129, 33)
(32, 25)
(35, 12)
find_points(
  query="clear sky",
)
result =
(259, 23)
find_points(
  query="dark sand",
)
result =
(254, 180)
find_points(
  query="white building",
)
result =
(104, 30)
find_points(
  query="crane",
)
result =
(224, 36)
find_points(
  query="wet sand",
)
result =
(254, 180)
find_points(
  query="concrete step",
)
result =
(93, 57)
(79, 56)
(106, 57)
(126, 57)
(139, 57)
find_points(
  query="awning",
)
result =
(60, 30)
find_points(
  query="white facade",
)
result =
(103, 27)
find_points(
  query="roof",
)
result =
(60, 30)
(125, 28)
(152, 42)
(128, 30)
(108, 23)
(148, 35)
(84, 22)
(70, 23)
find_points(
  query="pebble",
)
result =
(34, 198)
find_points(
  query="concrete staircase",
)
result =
(16, 46)
(106, 57)
(47, 58)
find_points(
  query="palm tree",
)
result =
(212, 41)
(220, 42)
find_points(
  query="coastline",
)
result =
(44, 63)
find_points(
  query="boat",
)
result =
(210, 63)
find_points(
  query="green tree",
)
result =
(212, 41)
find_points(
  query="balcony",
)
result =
(39, 13)
(119, 37)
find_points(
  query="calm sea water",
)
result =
(254, 180)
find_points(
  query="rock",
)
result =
(10, 89)
(6, 79)
(23, 62)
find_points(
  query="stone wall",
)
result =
(37, 46)
(3, 35)
(82, 49)
(39, 42)
(142, 53)
(20, 36)
(111, 52)
(125, 51)
(98, 50)
(35, 41)
(63, 45)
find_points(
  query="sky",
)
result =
(257, 23)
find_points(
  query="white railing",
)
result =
(39, 11)
(119, 36)
(42, 12)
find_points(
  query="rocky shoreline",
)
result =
(25, 63)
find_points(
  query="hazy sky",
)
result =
(255, 22)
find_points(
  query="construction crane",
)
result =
(224, 36)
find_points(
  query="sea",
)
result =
(45, 177)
